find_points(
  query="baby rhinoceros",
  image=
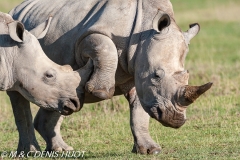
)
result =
(27, 73)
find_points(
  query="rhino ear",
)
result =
(16, 31)
(41, 30)
(161, 21)
(193, 31)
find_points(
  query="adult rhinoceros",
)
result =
(139, 39)
(25, 71)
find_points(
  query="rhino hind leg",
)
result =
(23, 118)
(103, 52)
(139, 123)
(48, 124)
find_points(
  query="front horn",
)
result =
(188, 94)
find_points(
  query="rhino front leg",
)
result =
(23, 118)
(103, 52)
(48, 124)
(139, 123)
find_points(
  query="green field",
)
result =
(213, 127)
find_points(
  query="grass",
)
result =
(7, 5)
(213, 127)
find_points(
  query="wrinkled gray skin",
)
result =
(27, 74)
(150, 49)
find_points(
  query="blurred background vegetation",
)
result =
(213, 127)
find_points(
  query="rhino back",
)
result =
(74, 20)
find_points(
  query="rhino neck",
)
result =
(146, 10)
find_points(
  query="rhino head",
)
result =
(25, 68)
(160, 78)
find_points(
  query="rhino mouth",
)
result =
(69, 106)
(167, 113)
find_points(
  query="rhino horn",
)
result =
(188, 94)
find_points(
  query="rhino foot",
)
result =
(100, 92)
(59, 145)
(103, 52)
(28, 149)
(48, 124)
(146, 149)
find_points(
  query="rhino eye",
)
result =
(158, 76)
(50, 73)
(49, 76)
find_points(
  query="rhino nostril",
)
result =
(67, 110)
(76, 104)
(68, 106)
